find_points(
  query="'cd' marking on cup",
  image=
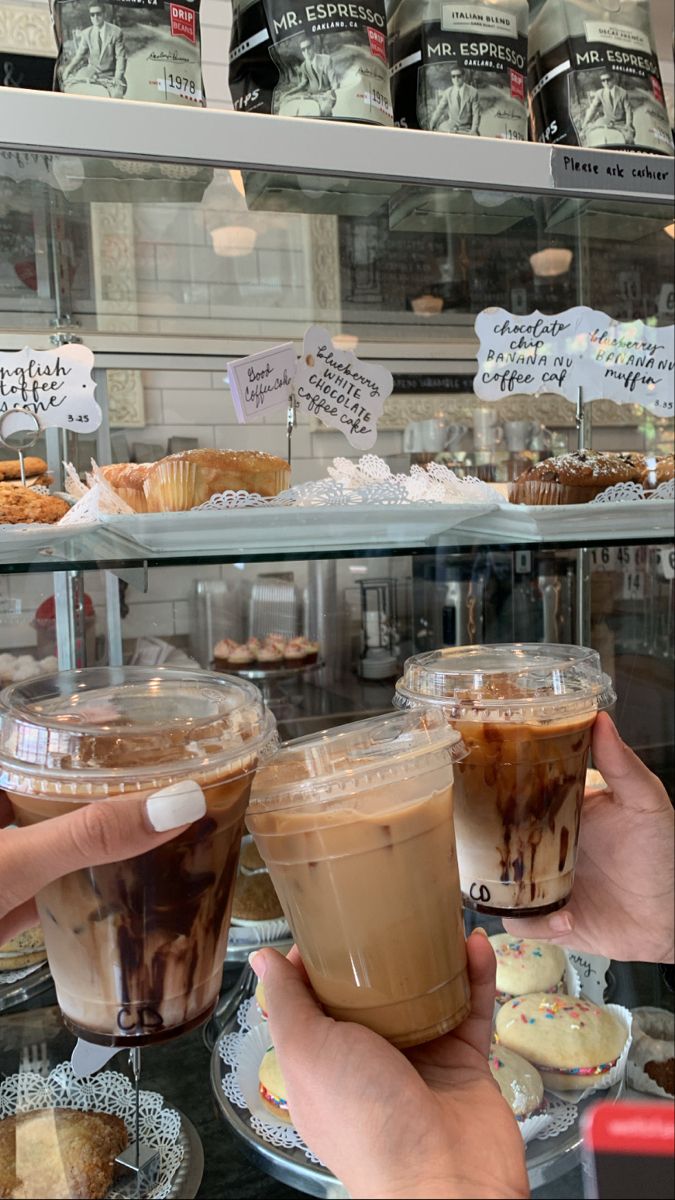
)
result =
(146, 1018)
(483, 893)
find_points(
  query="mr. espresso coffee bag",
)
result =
(326, 60)
(459, 66)
(132, 49)
(594, 76)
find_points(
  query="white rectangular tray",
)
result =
(287, 530)
(570, 522)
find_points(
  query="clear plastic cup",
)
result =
(355, 826)
(526, 714)
(136, 948)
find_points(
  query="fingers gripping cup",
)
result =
(525, 713)
(355, 826)
(136, 947)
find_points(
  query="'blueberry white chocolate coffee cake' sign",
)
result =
(343, 392)
(628, 362)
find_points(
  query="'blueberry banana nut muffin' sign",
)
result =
(325, 60)
(459, 66)
(129, 49)
(594, 76)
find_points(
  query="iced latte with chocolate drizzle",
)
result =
(355, 826)
(526, 714)
(136, 948)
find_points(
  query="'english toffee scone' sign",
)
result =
(56, 386)
(627, 362)
(339, 389)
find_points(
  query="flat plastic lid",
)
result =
(333, 766)
(129, 726)
(517, 678)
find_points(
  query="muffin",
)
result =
(185, 480)
(255, 899)
(128, 481)
(24, 950)
(519, 1082)
(573, 478)
(525, 965)
(657, 470)
(272, 1087)
(573, 1043)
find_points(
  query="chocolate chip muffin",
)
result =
(573, 478)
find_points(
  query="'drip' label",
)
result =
(325, 60)
(594, 77)
(129, 49)
(460, 67)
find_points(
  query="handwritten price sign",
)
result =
(629, 362)
(339, 389)
(262, 381)
(56, 386)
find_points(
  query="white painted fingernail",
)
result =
(178, 804)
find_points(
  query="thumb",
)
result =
(297, 1023)
(103, 831)
(632, 783)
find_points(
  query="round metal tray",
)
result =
(13, 994)
(269, 675)
(547, 1160)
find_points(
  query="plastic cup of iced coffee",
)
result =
(136, 948)
(356, 828)
(526, 713)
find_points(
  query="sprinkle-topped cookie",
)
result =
(525, 965)
(563, 1035)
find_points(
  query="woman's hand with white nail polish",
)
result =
(622, 900)
(100, 832)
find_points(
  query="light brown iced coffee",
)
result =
(526, 714)
(356, 829)
(136, 948)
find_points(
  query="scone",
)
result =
(571, 1042)
(10, 468)
(525, 965)
(59, 1152)
(519, 1082)
(23, 505)
(573, 478)
(23, 950)
(272, 1087)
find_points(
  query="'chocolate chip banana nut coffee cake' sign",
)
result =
(130, 49)
(594, 76)
(460, 66)
(325, 60)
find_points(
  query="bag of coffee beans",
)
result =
(594, 76)
(325, 60)
(460, 67)
(133, 49)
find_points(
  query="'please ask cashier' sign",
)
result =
(329, 383)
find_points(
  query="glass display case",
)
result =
(171, 243)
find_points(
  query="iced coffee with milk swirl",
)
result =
(526, 714)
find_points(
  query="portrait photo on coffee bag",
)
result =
(460, 67)
(129, 49)
(302, 60)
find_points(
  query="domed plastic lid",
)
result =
(107, 730)
(525, 681)
(335, 766)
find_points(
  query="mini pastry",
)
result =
(519, 1082)
(240, 657)
(572, 1043)
(651, 1061)
(23, 950)
(573, 478)
(270, 657)
(524, 965)
(254, 645)
(23, 505)
(276, 639)
(312, 652)
(272, 1087)
(221, 653)
(60, 1152)
(260, 1000)
(295, 652)
(255, 899)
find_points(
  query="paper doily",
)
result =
(21, 973)
(628, 493)
(558, 1117)
(110, 1092)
